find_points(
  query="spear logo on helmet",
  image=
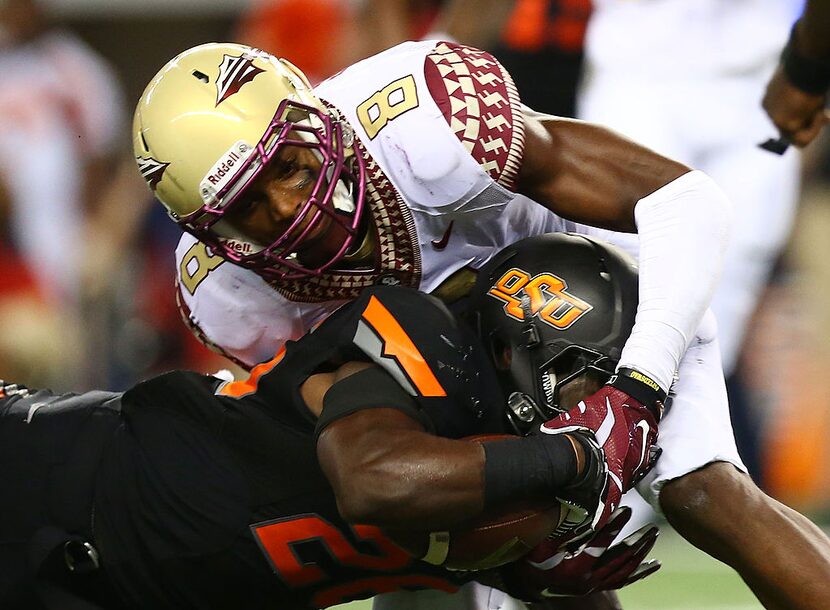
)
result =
(151, 170)
(235, 71)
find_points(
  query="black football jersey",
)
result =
(50, 448)
(433, 355)
(210, 495)
(207, 500)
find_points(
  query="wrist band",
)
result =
(641, 387)
(810, 75)
(527, 468)
(593, 460)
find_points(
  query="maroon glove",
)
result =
(550, 571)
(625, 429)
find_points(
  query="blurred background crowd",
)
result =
(86, 257)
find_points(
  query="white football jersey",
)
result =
(718, 37)
(442, 131)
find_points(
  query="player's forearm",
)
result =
(813, 31)
(684, 229)
(396, 476)
(386, 472)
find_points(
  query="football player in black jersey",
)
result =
(188, 491)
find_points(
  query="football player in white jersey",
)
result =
(689, 89)
(417, 164)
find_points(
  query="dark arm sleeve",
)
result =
(368, 389)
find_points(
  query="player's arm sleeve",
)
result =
(591, 175)
(684, 229)
(371, 388)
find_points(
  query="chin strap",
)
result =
(366, 250)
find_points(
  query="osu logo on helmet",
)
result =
(544, 296)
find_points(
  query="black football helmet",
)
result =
(550, 309)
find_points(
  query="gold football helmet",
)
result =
(208, 123)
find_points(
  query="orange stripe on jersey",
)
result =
(237, 389)
(398, 344)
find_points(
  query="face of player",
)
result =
(580, 388)
(570, 393)
(274, 200)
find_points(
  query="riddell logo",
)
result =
(545, 294)
(223, 167)
(240, 247)
(224, 171)
(234, 72)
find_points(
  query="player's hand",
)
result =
(798, 115)
(548, 571)
(625, 431)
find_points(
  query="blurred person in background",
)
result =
(325, 36)
(793, 338)
(546, 37)
(690, 89)
(796, 94)
(127, 270)
(61, 124)
(319, 32)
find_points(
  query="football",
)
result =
(492, 539)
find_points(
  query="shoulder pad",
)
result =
(431, 354)
(481, 104)
(407, 333)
